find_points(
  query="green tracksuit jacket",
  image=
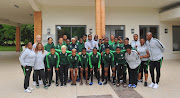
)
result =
(81, 45)
(63, 58)
(48, 47)
(84, 60)
(52, 60)
(94, 59)
(108, 59)
(73, 60)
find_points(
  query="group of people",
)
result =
(85, 58)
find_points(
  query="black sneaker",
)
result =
(105, 83)
(57, 84)
(45, 87)
(49, 85)
(145, 84)
(65, 84)
(52, 81)
(61, 85)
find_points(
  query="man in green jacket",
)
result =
(108, 59)
(52, 60)
(94, 62)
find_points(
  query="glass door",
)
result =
(143, 29)
(70, 31)
(116, 30)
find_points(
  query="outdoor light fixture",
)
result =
(121, 28)
(31, 14)
(48, 31)
(132, 31)
(16, 6)
(90, 31)
(166, 30)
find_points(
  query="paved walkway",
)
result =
(11, 84)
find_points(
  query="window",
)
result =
(71, 31)
(176, 40)
(116, 30)
(143, 29)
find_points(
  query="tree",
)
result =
(27, 33)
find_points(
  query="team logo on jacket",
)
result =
(49, 55)
(121, 54)
(66, 54)
(96, 56)
(75, 58)
(109, 55)
(54, 56)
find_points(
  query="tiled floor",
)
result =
(11, 84)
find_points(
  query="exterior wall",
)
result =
(52, 16)
(130, 17)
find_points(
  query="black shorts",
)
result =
(143, 66)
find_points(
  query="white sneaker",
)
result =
(34, 83)
(155, 86)
(30, 88)
(40, 82)
(27, 91)
(151, 85)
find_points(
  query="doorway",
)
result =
(143, 29)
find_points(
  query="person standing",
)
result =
(64, 39)
(73, 45)
(94, 62)
(116, 44)
(156, 49)
(39, 64)
(60, 43)
(84, 38)
(90, 44)
(27, 60)
(121, 66)
(48, 47)
(111, 41)
(74, 64)
(135, 43)
(133, 60)
(84, 65)
(101, 50)
(80, 44)
(38, 40)
(108, 60)
(144, 56)
(52, 60)
(63, 65)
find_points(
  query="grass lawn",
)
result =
(7, 48)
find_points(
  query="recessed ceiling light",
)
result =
(16, 6)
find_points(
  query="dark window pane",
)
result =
(78, 31)
(176, 40)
